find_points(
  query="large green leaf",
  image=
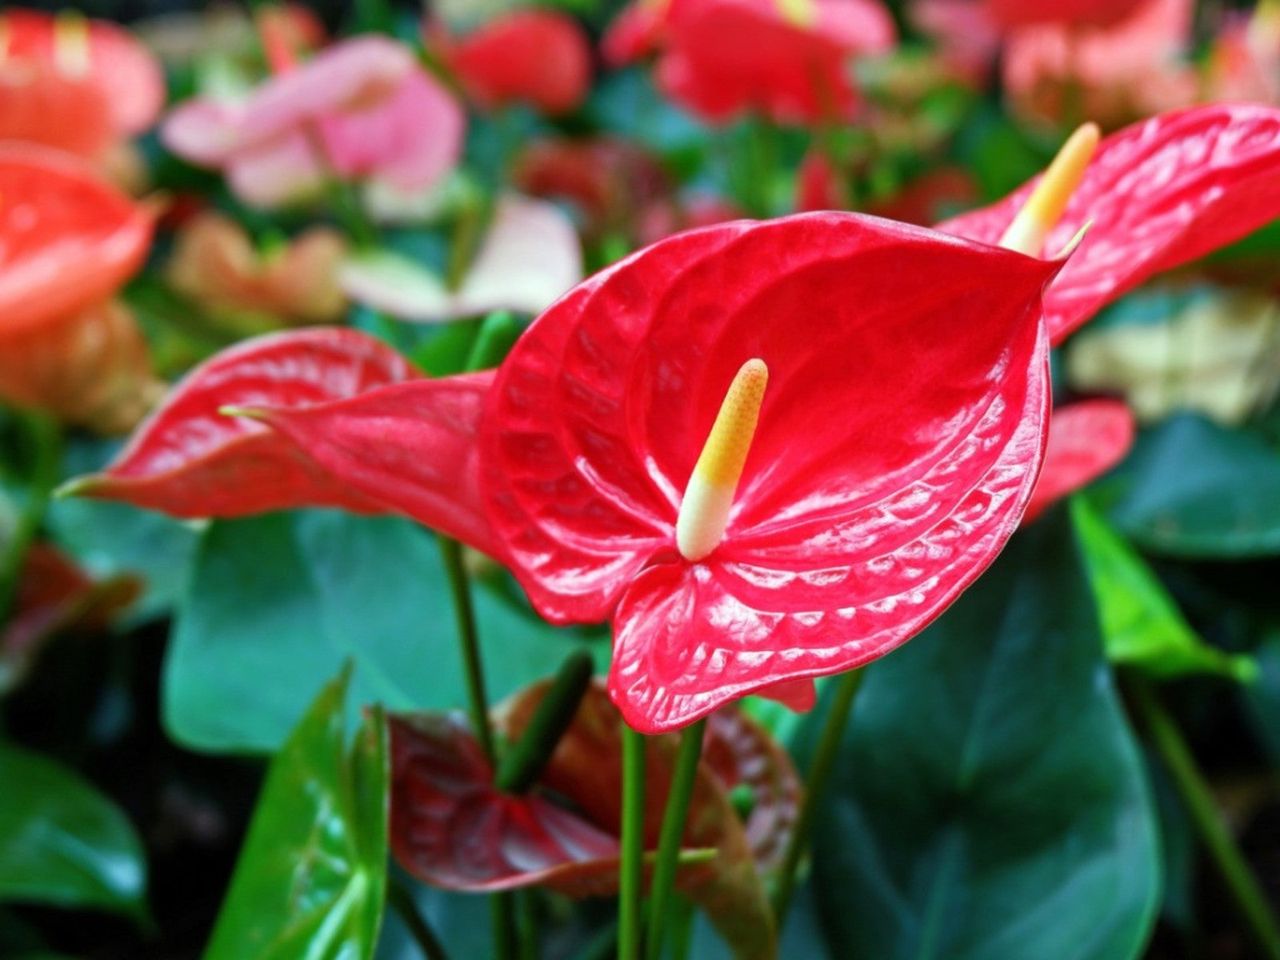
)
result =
(1141, 624)
(62, 842)
(1191, 488)
(990, 802)
(311, 880)
(276, 604)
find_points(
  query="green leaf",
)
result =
(311, 879)
(62, 842)
(990, 802)
(276, 604)
(1191, 488)
(1263, 698)
(1141, 624)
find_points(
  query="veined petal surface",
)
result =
(191, 460)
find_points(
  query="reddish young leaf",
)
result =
(535, 56)
(1159, 194)
(53, 596)
(450, 827)
(1086, 439)
(190, 460)
(410, 446)
(68, 239)
(740, 753)
(890, 464)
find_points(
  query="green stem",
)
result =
(402, 902)
(45, 439)
(815, 783)
(502, 905)
(631, 874)
(523, 762)
(1243, 886)
(528, 916)
(477, 699)
(502, 909)
(673, 821)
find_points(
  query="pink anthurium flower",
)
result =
(1086, 439)
(535, 56)
(76, 84)
(360, 110)
(788, 59)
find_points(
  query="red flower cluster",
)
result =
(767, 451)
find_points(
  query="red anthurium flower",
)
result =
(786, 58)
(607, 181)
(867, 500)
(1086, 439)
(68, 241)
(452, 828)
(190, 460)
(72, 83)
(535, 56)
(361, 109)
(1019, 13)
(1158, 194)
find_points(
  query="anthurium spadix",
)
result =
(1158, 194)
(751, 449)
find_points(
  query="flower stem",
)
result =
(477, 699)
(673, 821)
(402, 902)
(523, 762)
(815, 783)
(631, 875)
(1246, 893)
(45, 440)
(502, 905)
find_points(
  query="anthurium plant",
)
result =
(682, 478)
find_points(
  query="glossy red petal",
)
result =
(410, 447)
(1086, 439)
(892, 460)
(535, 56)
(189, 460)
(1159, 194)
(68, 239)
(451, 828)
